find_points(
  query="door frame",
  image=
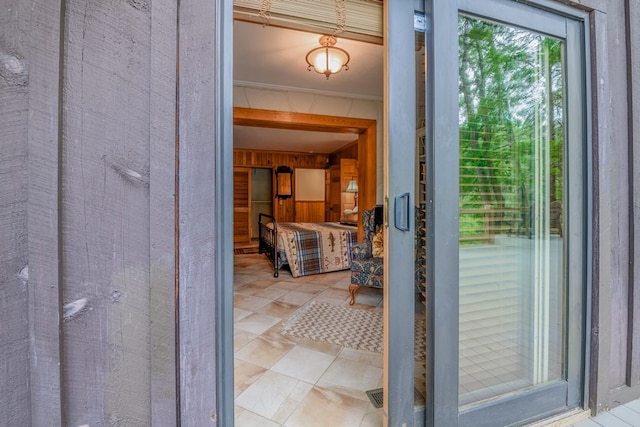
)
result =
(442, 162)
(439, 209)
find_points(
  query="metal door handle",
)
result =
(401, 212)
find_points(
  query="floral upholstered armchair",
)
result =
(366, 261)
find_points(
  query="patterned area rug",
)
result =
(349, 327)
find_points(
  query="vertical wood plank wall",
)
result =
(600, 314)
(105, 214)
(349, 152)
(89, 240)
(310, 211)
(633, 17)
(43, 59)
(614, 327)
(14, 188)
(162, 223)
(198, 212)
(613, 194)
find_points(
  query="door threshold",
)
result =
(566, 419)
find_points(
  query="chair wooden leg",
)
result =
(352, 290)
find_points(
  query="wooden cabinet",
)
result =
(338, 199)
(252, 195)
(241, 205)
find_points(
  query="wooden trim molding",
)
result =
(299, 121)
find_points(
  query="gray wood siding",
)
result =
(42, 214)
(204, 218)
(633, 51)
(14, 326)
(614, 202)
(599, 359)
(88, 106)
(96, 197)
(105, 213)
(162, 177)
(614, 329)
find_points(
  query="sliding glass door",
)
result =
(512, 196)
(507, 231)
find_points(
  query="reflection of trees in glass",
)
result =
(510, 103)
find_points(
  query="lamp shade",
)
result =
(327, 59)
(352, 186)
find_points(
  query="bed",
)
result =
(306, 248)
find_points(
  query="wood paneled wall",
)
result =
(348, 152)
(273, 159)
(309, 211)
(283, 209)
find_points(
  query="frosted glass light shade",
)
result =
(327, 59)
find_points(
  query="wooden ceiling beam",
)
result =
(299, 121)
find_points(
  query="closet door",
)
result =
(334, 194)
(241, 205)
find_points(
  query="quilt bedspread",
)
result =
(313, 248)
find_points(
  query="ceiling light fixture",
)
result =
(327, 59)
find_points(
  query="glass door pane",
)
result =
(511, 202)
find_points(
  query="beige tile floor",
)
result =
(290, 382)
(287, 381)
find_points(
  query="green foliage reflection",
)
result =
(511, 117)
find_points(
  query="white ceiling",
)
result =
(274, 58)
